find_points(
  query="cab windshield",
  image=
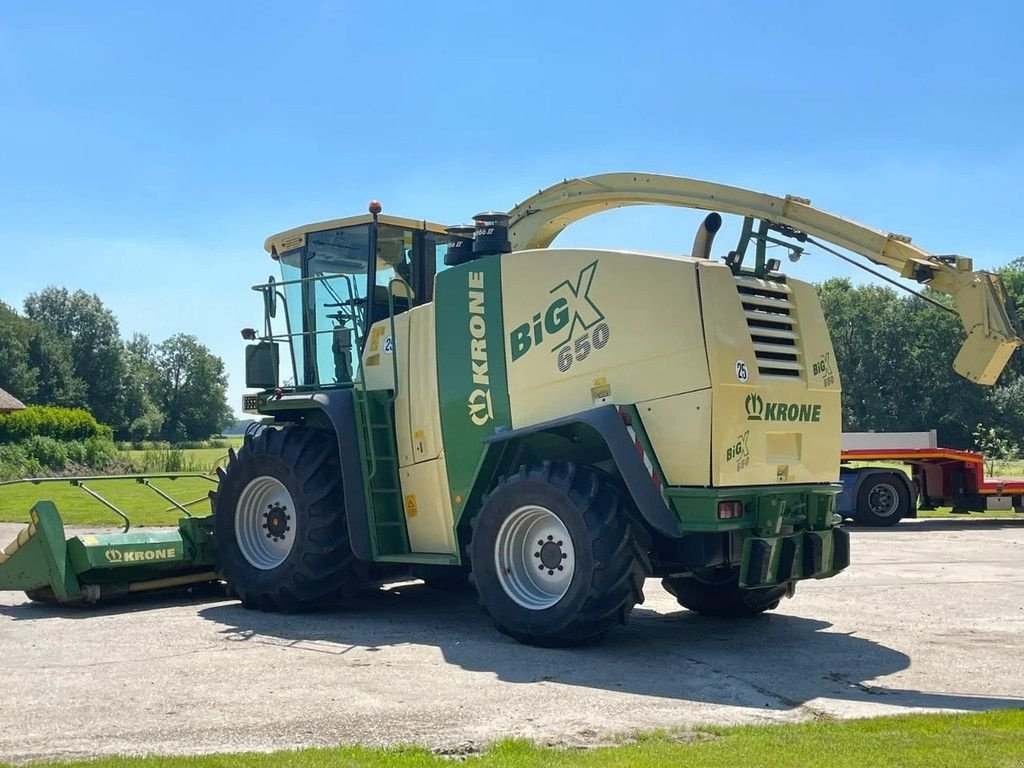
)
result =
(328, 306)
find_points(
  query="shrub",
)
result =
(40, 455)
(47, 421)
(50, 453)
(16, 463)
(169, 461)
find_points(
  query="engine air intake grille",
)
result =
(768, 308)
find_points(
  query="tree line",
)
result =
(895, 355)
(67, 350)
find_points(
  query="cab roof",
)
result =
(296, 237)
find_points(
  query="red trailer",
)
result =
(939, 477)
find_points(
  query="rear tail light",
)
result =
(730, 510)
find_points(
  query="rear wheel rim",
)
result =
(265, 523)
(534, 557)
(883, 500)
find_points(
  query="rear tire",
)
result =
(723, 600)
(279, 522)
(555, 557)
(882, 500)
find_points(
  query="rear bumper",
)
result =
(767, 561)
(785, 533)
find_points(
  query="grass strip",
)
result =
(978, 740)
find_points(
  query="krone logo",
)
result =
(479, 400)
(755, 407)
(480, 406)
(139, 555)
(758, 410)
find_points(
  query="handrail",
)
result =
(394, 341)
(358, 315)
(79, 482)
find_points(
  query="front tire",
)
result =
(279, 522)
(882, 500)
(555, 557)
(724, 599)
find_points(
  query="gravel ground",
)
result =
(929, 617)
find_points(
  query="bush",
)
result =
(40, 455)
(169, 461)
(50, 453)
(46, 421)
(15, 463)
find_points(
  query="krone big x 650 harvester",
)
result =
(550, 425)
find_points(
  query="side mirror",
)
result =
(270, 297)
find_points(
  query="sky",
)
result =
(147, 150)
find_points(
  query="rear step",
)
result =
(94, 567)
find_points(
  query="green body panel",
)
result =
(765, 508)
(115, 551)
(471, 376)
(37, 558)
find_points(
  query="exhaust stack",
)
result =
(706, 236)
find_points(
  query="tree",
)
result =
(91, 332)
(191, 389)
(16, 375)
(895, 356)
(143, 417)
(35, 365)
(50, 358)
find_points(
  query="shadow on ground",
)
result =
(776, 661)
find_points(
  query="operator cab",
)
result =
(326, 270)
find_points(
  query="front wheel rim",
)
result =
(884, 500)
(534, 557)
(265, 523)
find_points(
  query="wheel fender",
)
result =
(608, 424)
(339, 407)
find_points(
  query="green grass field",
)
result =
(142, 505)
(988, 740)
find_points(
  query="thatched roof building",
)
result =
(9, 402)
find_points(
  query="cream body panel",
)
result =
(417, 415)
(424, 412)
(679, 430)
(649, 305)
(376, 367)
(428, 510)
(750, 451)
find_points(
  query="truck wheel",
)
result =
(279, 522)
(555, 557)
(724, 600)
(882, 500)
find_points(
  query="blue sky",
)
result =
(146, 150)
